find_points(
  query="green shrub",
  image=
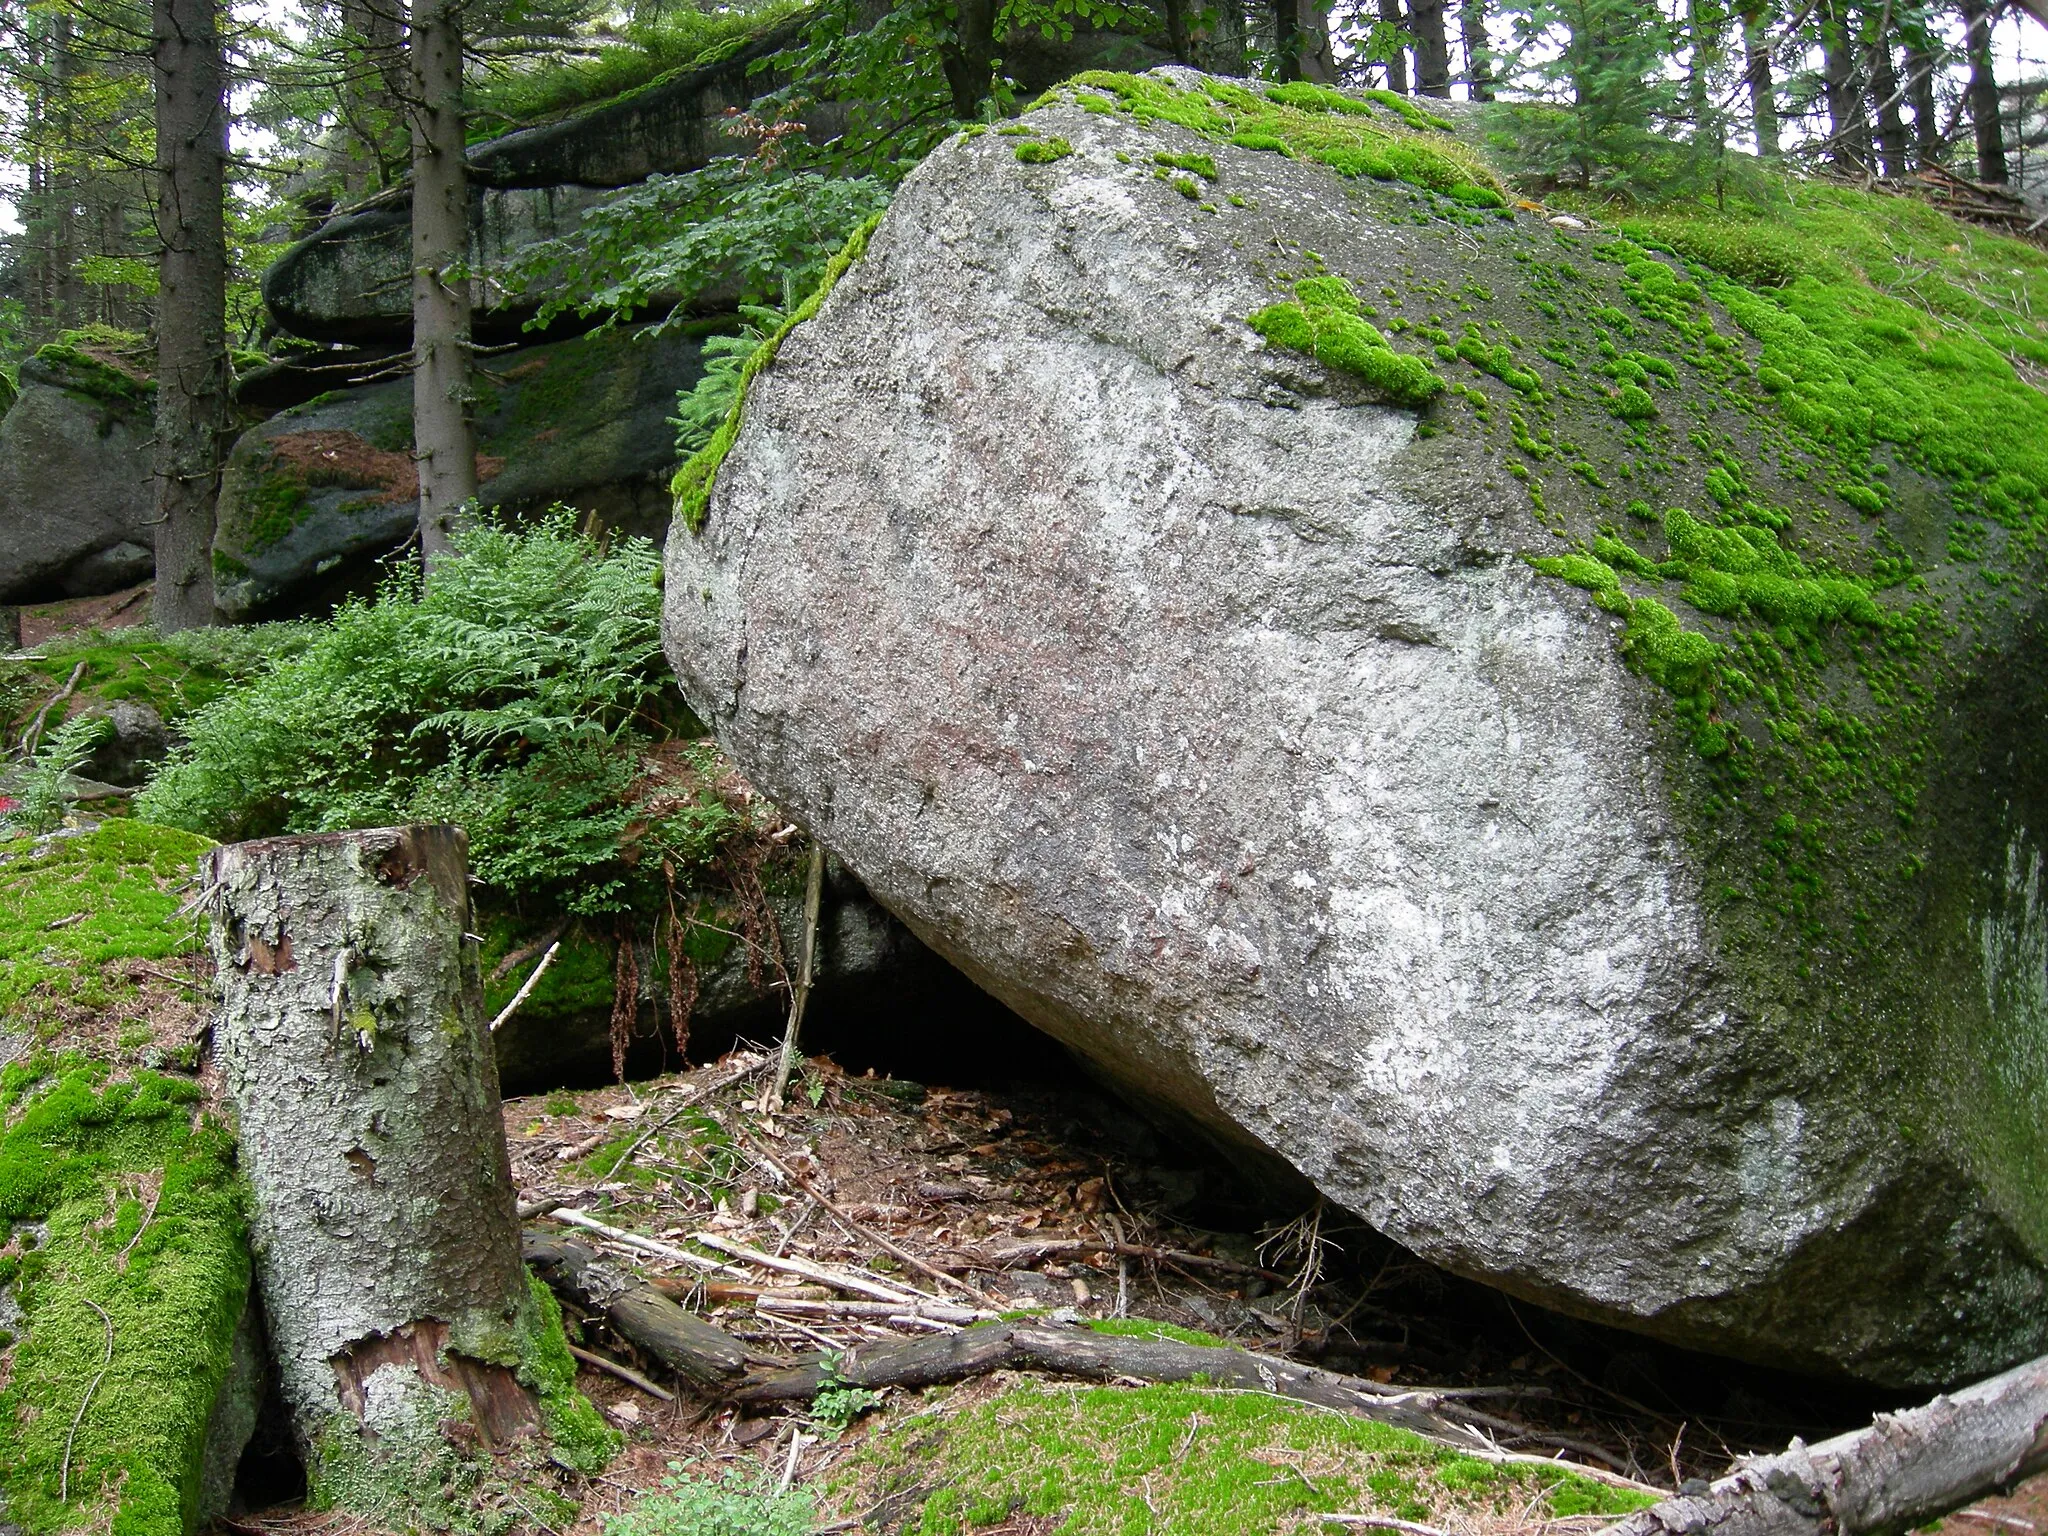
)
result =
(732, 1505)
(511, 693)
(42, 790)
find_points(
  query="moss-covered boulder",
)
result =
(1540, 731)
(75, 489)
(127, 1372)
(313, 496)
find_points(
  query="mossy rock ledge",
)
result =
(313, 497)
(1543, 738)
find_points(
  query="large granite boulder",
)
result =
(313, 495)
(75, 489)
(1638, 909)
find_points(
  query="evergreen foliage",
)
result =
(513, 692)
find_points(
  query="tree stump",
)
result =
(351, 1038)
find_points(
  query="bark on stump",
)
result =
(351, 1038)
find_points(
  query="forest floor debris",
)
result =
(822, 1228)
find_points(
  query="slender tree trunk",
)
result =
(969, 59)
(1177, 29)
(352, 1045)
(1397, 59)
(191, 349)
(1763, 87)
(1287, 39)
(1704, 21)
(1848, 117)
(1312, 42)
(443, 436)
(1983, 92)
(1921, 64)
(1884, 89)
(1432, 48)
(1478, 50)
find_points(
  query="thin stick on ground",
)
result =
(980, 1297)
(800, 994)
(627, 1374)
(85, 1402)
(34, 733)
(526, 987)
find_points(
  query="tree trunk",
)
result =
(1763, 87)
(352, 1044)
(1905, 1470)
(1432, 48)
(969, 59)
(191, 348)
(1312, 42)
(1478, 50)
(1921, 63)
(1848, 118)
(1704, 23)
(1397, 58)
(1177, 30)
(444, 439)
(1983, 92)
(1884, 89)
(1287, 39)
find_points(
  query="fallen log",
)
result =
(704, 1355)
(1065, 1351)
(1905, 1470)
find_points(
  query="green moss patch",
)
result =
(77, 912)
(107, 366)
(1325, 320)
(1354, 136)
(692, 484)
(128, 1264)
(1097, 1461)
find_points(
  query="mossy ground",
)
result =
(129, 1269)
(1106, 1461)
(87, 923)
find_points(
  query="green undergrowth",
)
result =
(1149, 1328)
(173, 674)
(652, 52)
(1109, 1461)
(693, 483)
(130, 1270)
(77, 910)
(1376, 135)
(520, 692)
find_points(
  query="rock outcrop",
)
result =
(75, 490)
(315, 492)
(1226, 603)
(346, 282)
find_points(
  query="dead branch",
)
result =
(526, 987)
(1013, 1254)
(34, 733)
(625, 1373)
(1905, 1470)
(704, 1355)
